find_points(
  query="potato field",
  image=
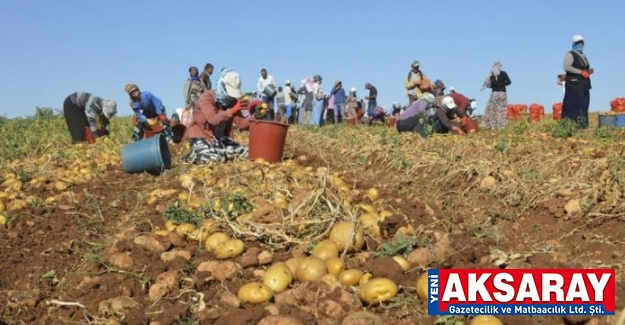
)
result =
(339, 233)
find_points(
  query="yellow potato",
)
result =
(210, 226)
(378, 290)
(170, 225)
(485, 320)
(198, 235)
(350, 277)
(325, 250)
(254, 293)
(341, 234)
(293, 263)
(329, 278)
(278, 277)
(2, 207)
(365, 278)
(3, 220)
(372, 194)
(16, 204)
(335, 265)
(370, 224)
(162, 232)
(185, 228)
(402, 262)
(310, 269)
(422, 286)
(229, 249)
(215, 239)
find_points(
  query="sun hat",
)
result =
(577, 38)
(130, 88)
(232, 83)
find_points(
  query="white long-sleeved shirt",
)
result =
(262, 83)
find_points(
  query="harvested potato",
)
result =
(422, 286)
(341, 234)
(292, 263)
(229, 249)
(402, 262)
(278, 277)
(198, 235)
(372, 194)
(254, 293)
(335, 265)
(362, 318)
(310, 269)
(170, 225)
(215, 239)
(365, 278)
(3, 220)
(350, 277)
(325, 250)
(329, 279)
(370, 224)
(185, 228)
(378, 290)
(210, 226)
(485, 320)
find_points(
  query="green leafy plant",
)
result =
(401, 245)
(180, 215)
(232, 206)
(448, 320)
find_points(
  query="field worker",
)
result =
(351, 105)
(149, 112)
(415, 118)
(339, 100)
(577, 84)
(462, 102)
(396, 109)
(85, 112)
(193, 88)
(444, 116)
(213, 118)
(267, 89)
(413, 82)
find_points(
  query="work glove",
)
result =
(162, 117)
(585, 74)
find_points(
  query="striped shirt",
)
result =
(91, 104)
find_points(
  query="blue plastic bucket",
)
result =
(148, 155)
(619, 121)
(607, 120)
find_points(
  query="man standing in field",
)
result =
(372, 98)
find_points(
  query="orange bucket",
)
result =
(469, 125)
(151, 131)
(267, 140)
(392, 121)
(351, 121)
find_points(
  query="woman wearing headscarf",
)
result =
(306, 93)
(149, 112)
(316, 117)
(193, 88)
(495, 113)
(415, 118)
(351, 105)
(85, 112)
(213, 119)
(577, 84)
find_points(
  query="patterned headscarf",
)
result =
(220, 91)
(194, 77)
(494, 71)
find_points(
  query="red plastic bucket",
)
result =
(351, 121)
(151, 131)
(469, 125)
(267, 140)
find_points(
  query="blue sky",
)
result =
(52, 48)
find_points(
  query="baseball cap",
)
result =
(448, 102)
(577, 38)
(232, 84)
(452, 88)
(415, 63)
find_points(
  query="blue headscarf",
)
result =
(578, 47)
(220, 92)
